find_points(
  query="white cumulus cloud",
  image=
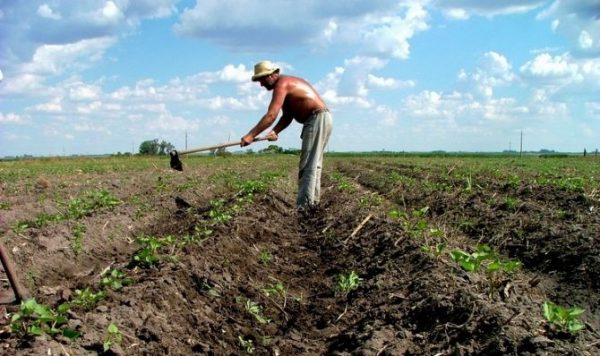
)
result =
(46, 11)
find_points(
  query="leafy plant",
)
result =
(565, 318)
(37, 319)
(255, 310)
(19, 227)
(78, 235)
(487, 257)
(276, 290)
(217, 211)
(87, 204)
(347, 282)
(343, 183)
(473, 261)
(113, 336)
(265, 257)
(148, 255)
(86, 298)
(115, 279)
(247, 345)
(436, 250)
(397, 214)
(511, 203)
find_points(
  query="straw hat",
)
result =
(264, 68)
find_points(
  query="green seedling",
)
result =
(277, 290)
(4, 205)
(347, 282)
(88, 204)
(34, 319)
(487, 257)
(161, 184)
(484, 255)
(511, 203)
(344, 184)
(115, 279)
(247, 345)
(148, 255)
(397, 214)
(251, 187)
(78, 235)
(573, 184)
(86, 298)
(566, 319)
(417, 226)
(472, 261)
(113, 336)
(19, 227)
(217, 211)
(265, 257)
(436, 250)
(256, 311)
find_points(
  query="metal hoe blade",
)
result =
(175, 161)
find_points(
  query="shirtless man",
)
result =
(298, 100)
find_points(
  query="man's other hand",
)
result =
(272, 136)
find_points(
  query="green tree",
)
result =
(153, 147)
(272, 149)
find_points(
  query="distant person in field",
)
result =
(298, 100)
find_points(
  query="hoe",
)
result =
(18, 292)
(176, 163)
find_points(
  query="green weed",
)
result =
(86, 298)
(347, 282)
(115, 279)
(113, 336)
(78, 235)
(566, 319)
(247, 345)
(34, 319)
(265, 257)
(256, 311)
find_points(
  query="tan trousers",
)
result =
(315, 135)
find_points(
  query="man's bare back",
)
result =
(301, 99)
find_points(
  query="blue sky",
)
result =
(94, 77)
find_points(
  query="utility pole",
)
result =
(186, 140)
(521, 148)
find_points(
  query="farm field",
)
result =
(406, 255)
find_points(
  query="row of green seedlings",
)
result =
(73, 210)
(483, 258)
(220, 212)
(278, 292)
(36, 319)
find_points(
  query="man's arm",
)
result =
(283, 123)
(279, 93)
